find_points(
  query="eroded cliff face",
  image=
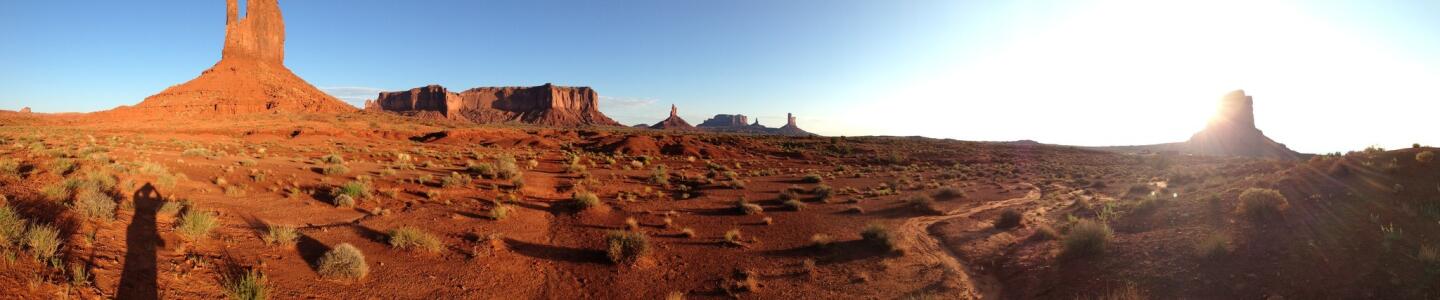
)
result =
(1232, 132)
(250, 78)
(542, 105)
(723, 120)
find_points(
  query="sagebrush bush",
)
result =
(1087, 237)
(794, 205)
(196, 225)
(1263, 204)
(344, 201)
(343, 262)
(879, 236)
(43, 241)
(412, 238)
(812, 178)
(1009, 218)
(626, 247)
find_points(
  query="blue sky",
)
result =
(1072, 72)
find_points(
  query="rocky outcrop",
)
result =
(547, 105)
(250, 78)
(674, 122)
(725, 121)
(25, 110)
(1232, 132)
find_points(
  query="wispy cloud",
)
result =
(626, 102)
(353, 95)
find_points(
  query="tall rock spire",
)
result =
(259, 36)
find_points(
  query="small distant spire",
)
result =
(672, 110)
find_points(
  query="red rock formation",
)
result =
(674, 122)
(548, 104)
(790, 128)
(25, 110)
(725, 121)
(1232, 132)
(250, 78)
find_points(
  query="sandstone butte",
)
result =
(251, 77)
(547, 105)
(1232, 132)
(737, 123)
(674, 122)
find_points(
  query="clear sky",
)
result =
(1326, 75)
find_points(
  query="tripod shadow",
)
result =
(142, 240)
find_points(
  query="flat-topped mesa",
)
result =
(723, 120)
(1232, 132)
(250, 78)
(1236, 110)
(548, 105)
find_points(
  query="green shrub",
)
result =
(626, 247)
(12, 228)
(355, 189)
(249, 285)
(879, 236)
(812, 178)
(584, 200)
(43, 241)
(343, 262)
(1262, 204)
(1086, 237)
(1213, 246)
(412, 238)
(281, 235)
(1009, 218)
(196, 225)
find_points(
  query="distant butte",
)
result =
(674, 122)
(1231, 132)
(737, 123)
(548, 105)
(250, 78)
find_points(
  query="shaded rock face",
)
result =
(250, 78)
(674, 122)
(548, 105)
(1232, 132)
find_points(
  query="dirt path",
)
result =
(925, 249)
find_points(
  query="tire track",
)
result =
(927, 250)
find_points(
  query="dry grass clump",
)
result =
(747, 208)
(821, 241)
(354, 189)
(94, 205)
(12, 227)
(582, 201)
(1213, 246)
(412, 238)
(285, 235)
(626, 247)
(812, 178)
(343, 262)
(344, 201)
(195, 225)
(1087, 237)
(879, 236)
(335, 170)
(734, 237)
(248, 285)
(923, 204)
(1263, 204)
(1425, 157)
(500, 212)
(43, 241)
(794, 205)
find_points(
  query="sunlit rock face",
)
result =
(1232, 132)
(548, 105)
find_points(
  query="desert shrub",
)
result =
(455, 180)
(584, 200)
(1262, 204)
(821, 241)
(627, 246)
(248, 285)
(482, 170)
(949, 193)
(9, 168)
(660, 176)
(500, 212)
(355, 189)
(687, 232)
(43, 241)
(344, 201)
(734, 237)
(822, 192)
(505, 167)
(517, 183)
(412, 238)
(195, 225)
(794, 205)
(747, 208)
(335, 170)
(879, 236)
(1045, 233)
(1126, 292)
(234, 191)
(280, 234)
(787, 195)
(1087, 237)
(1009, 218)
(333, 159)
(345, 261)
(95, 205)
(1430, 256)
(1425, 157)
(812, 178)
(12, 227)
(1212, 246)
(924, 204)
